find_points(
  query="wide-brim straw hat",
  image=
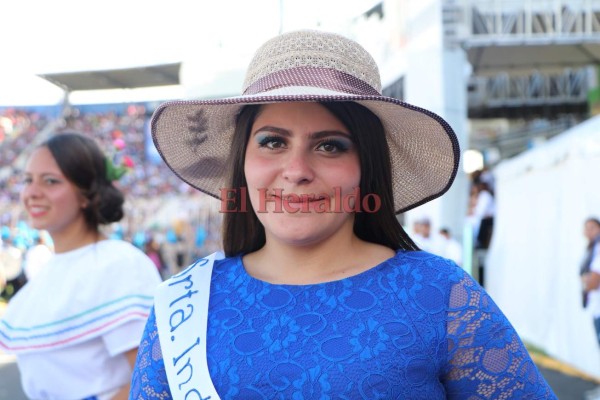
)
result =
(194, 136)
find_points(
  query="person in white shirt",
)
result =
(483, 214)
(449, 247)
(590, 279)
(421, 234)
(75, 328)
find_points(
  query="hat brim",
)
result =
(194, 138)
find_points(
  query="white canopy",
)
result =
(543, 198)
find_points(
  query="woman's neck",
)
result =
(331, 260)
(72, 239)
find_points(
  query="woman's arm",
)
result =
(486, 357)
(123, 393)
(591, 281)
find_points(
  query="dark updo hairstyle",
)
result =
(83, 163)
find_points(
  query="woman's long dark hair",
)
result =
(242, 231)
(83, 163)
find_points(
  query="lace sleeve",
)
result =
(486, 357)
(149, 380)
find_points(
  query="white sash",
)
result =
(181, 307)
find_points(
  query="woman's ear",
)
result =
(84, 202)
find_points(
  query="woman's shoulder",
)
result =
(115, 249)
(424, 260)
(430, 267)
(120, 245)
(125, 258)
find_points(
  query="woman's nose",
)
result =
(298, 169)
(30, 190)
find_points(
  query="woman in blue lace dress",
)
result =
(321, 294)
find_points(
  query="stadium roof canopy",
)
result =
(128, 78)
(495, 57)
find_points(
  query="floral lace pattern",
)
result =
(414, 327)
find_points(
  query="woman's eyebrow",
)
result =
(324, 134)
(312, 136)
(273, 129)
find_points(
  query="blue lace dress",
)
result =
(414, 327)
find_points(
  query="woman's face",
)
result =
(302, 168)
(591, 230)
(51, 201)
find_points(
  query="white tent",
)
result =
(543, 198)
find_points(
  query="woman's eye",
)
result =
(51, 181)
(333, 146)
(271, 142)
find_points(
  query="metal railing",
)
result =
(520, 139)
(480, 22)
(529, 89)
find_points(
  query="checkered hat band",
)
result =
(325, 78)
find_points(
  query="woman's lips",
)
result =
(299, 198)
(36, 211)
